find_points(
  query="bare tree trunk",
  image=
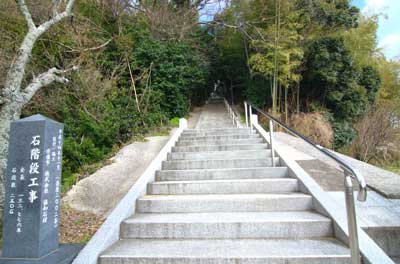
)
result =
(13, 97)
(8, 113)
(286, 105)
(279, 105)
(298, 99)
(133, 85)
(276, 71)
(232, 103)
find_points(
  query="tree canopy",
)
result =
(142, 64)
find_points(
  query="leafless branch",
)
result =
(57, 18)
(74, 50)
(56, 6)
(44, 79)
(27, 15)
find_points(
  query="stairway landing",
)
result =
(214, 115)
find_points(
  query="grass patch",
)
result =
(393, 167)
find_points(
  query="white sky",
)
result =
(389, 23)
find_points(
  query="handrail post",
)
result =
(351, 219)
(245, 113)
(233, 116)
(271, 141)
(251, 123)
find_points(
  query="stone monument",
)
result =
(32, 189)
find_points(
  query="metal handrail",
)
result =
(349, 173)
(232, 114)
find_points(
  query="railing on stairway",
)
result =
(349, 174)
(232, 114)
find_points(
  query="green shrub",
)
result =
(174, 122)
(98, 106)
(344, 134)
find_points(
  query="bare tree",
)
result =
(175, 20)
(376, 135)
(14, 97)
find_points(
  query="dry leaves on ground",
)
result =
(78, 227)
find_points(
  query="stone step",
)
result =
(238, 131)
(216, 130)
(220, 147)
(218, 100)
(301, 224)
(224, 203)
(216, 164)
(284, 185)
(222, 137)
(182, 143)
(218, 123)
(227, 251)
(222, 174)
(232, 154)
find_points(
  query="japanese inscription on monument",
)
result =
(32, 202)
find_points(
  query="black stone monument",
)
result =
(32, 189)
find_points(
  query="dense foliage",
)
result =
(304, 55)
(141, 67)
(125, 88)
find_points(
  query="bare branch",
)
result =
(57, 18)
(76, 50)
(56, 6)
(44, 79)
(137, 7)
(241, 28)
(93, 48)
(28, 17)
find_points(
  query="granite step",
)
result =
(217, 130)
(225, 147)
(218, 137)
(233, 154)
(284, 185)
(227, 251)
(222, 174)
(238, 131)
(297, 224)
(224, 203)
(183, 143)
(217, 164)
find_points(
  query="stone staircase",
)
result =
(218, 200)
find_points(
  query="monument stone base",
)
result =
(65, 254)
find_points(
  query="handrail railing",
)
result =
(349, 173)
(232, 114)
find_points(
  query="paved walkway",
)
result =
(379, 216)
(214, 116)
(382, 181)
